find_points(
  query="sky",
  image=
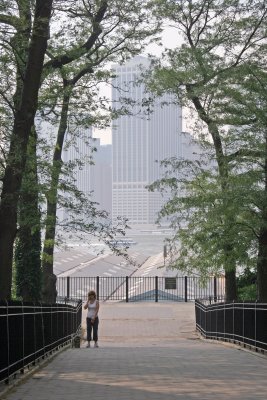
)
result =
(170, 39)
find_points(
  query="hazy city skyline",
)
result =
(122, 170)
(170, 39)
(138, 142)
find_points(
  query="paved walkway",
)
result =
(149, 351)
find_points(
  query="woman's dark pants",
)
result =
(91, 327)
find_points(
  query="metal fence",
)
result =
(30, 331)
(186, 288)
(242, 323)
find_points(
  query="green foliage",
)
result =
(27, 255)
(85, 37)
(28, 266)
(218, 72)
(205, 221)
(246, 285)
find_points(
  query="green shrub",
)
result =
(246, 285)
(247, 292)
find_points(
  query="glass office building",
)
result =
(138, 142)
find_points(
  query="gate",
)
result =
(132, 288)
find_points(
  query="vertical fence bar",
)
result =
(207, 312)
(8, 340)
(215, 288)
(23, 335)
(127, 289)
(224, 321)
(255, 322)
(233, 305)
(97, 287)
(243, 323)
(185, 289)
(156, 289)
(68, 287)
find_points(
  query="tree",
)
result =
(28, 244)
(196, 209)
(23, 122)
(27, 260)
(252, 155)
(217, 38)
(102, 30)
(116, 30)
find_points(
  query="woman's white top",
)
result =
(91, 309)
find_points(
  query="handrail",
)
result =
(31, 331)
(242, 323)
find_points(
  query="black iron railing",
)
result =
(141, 288)
(29, 332)
(243, 323)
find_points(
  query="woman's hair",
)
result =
(92, 292)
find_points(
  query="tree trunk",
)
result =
(27, 260)
(23, 121)
(230, 285)
(49, 292)
(49, 279)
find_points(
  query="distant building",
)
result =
(92, 179)
(137, 142)
(101, 176)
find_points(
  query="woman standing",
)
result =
(92, 320)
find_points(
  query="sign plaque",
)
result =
(170, 283)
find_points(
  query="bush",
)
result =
(247, 292)
(246, 285)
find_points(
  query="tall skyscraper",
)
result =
(138, 141)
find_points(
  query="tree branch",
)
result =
(10, 20)
(73, 54)
(244, 153)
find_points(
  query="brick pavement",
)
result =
(149, 351)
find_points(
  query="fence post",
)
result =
(243, 323)
(127, 289)
(233, 303)
(207, 314)
(23, 335)
(185, 289)
(8, 340)
(215, 289)
(224, 319)
(68, 287)
(156, 289)
(255, 322)
(97, 287)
